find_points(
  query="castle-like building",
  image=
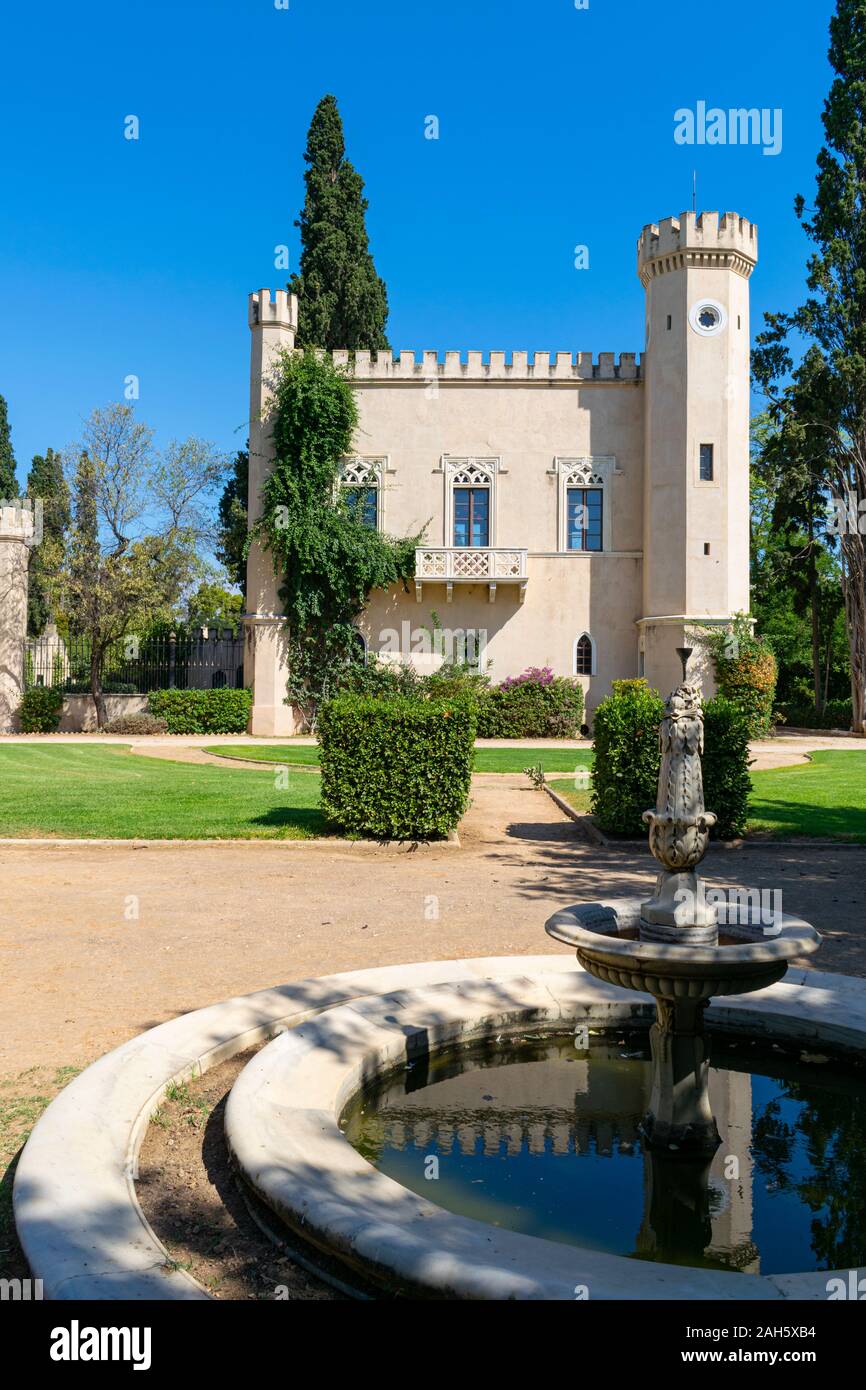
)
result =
(578, 512)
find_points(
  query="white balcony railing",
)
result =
(449, 565)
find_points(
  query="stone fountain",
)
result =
(677, 945)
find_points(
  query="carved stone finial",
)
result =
(680, 826)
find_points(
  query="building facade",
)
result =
(577, 512)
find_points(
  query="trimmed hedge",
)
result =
(626, 763)
(40, 710)
(536, 704)
(396, 769)
(727, 784)
(136, 724)
(836, 714)
(223, 711)
(625, 768)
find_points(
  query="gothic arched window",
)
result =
(584, 656)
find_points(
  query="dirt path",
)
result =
(98, 943)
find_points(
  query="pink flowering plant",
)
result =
(534, 704)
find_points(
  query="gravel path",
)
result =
(98, 943)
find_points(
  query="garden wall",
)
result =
(79, 712)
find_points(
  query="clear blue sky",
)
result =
(121, 257)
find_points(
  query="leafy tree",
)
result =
(744, 666)
(46, 484)
(214, 606)
(824, 398)
(131, 552)
(796, 578)
(8, 480)
(234, 521)
(328, 560)
(342, 303)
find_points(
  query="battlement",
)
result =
(546, 367)
(280, 312)
(695, 239)
(21, 520)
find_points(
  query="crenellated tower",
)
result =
(20, 531)
(695, 271)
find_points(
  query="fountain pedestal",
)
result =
(668, 945)
(680, 1116)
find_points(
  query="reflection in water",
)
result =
(537, 1137)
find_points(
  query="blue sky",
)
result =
(123, 257)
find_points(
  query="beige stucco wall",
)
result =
(639, 423)
(16, 537)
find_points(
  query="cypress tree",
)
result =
(342, 303)
(8, 480)
(45, 482)
(232, 521)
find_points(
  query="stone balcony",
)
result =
(449, 565)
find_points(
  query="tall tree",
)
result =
(47, 485)
(233, 522)
(8, 480)
(342, 303)
(131, 553)
(795, 565)
(826, 394)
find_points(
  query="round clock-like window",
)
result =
(708, 317)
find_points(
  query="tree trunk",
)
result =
(816, 618)
(854, 582)
(96, 686)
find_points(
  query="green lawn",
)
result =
(95, 791)
(486, 759)
(826, 797)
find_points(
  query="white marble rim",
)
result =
(283, 1130)
(76, 1210)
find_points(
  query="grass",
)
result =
(22, 1100)
(486, 759)
(105, 791)
(826, 798)
(577, 797)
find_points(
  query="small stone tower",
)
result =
(19, 532)
(273, 324)
(695, 271)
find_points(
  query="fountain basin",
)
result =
(283, 1126)
(751, 954)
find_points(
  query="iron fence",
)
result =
(137, 665)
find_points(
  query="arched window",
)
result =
(359, 642)
(584, 656)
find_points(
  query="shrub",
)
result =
(136, 724)
(396, 769)
(381, 679)
(745, 668)
(727, 784)
(626, 763)
(627, 758)
(223, 711)
(39, 711)
(536, 704)
(836, 714)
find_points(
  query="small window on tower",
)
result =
(670, 323)
(706, 547)
(706, 464)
